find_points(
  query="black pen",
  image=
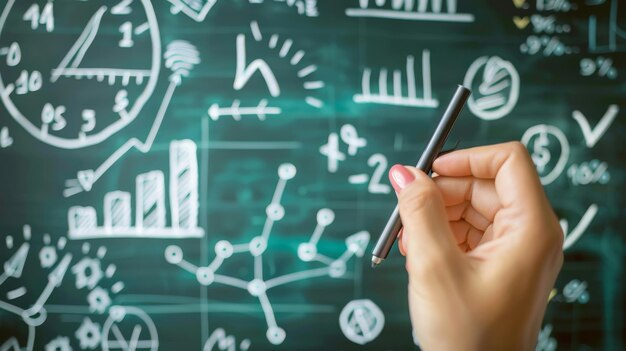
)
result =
(433, 149)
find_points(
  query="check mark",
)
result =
(592, 136)
(572, 236)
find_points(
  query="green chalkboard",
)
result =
(211, 174)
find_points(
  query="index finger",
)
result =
(509, 164)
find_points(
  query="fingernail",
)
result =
(400, 177)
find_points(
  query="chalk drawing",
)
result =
(92, 125)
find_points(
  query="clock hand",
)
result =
(80, 47)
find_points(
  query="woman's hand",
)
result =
(483, 248)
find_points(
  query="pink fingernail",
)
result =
(400, 177)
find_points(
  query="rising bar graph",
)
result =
(150, 206)
(397, 96)
(412, 10)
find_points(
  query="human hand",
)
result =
(483, 248)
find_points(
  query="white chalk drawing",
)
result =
(545, 342)
(546, 45)
(334, 155)
(66, 122)
(219, 340)
(257, 247)
(571, 237)
(150, 207)
(592, 172)
(601, 66)
(614, 34)
(180, 57)
(413, 10)
(57, 265)
(60, 343)
(195, 9)
(261, 111)
(380, 164)
(575, 291)
(247, 68)
(303, 7)
(128, 329)
(592, 136)
(398, 97)
(5, 139)
(89, 334)
(497, 88)
(555, 5)
(545, 24)
(361, 321)
(542, 137)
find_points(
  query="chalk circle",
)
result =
(275, 335)
(361, 321)
(47, 256)
(256, 287)
(307, 251)
(173, 254)
(487, 102)
(286, 171)
(275, 211)
(124, 317)
(223, 249)
(543, 129)
(205, 275)
(325, 216)
(337, 269)
(257, 245)
(34, 317)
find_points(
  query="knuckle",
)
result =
(416, 197)
(517, 148)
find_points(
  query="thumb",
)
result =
(427, 237)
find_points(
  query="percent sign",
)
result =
(576, 290)
(589, 172)
(603, 66)
(554, 5)
(543, 24)
(548, 46)
(545, 342)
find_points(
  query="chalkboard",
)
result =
(211, 174)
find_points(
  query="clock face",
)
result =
(73, 73)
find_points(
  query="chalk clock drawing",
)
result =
(108, 90)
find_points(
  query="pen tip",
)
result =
(374, 264)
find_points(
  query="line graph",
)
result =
(180, 57)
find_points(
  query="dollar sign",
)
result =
(541, 155)
(121, 101)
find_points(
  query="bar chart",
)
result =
(150, 205)
(403, 92)
(412, 10)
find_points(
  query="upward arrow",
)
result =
(14, 266)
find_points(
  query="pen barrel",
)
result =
(394, 224)
(438, 140)
(433, 148)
